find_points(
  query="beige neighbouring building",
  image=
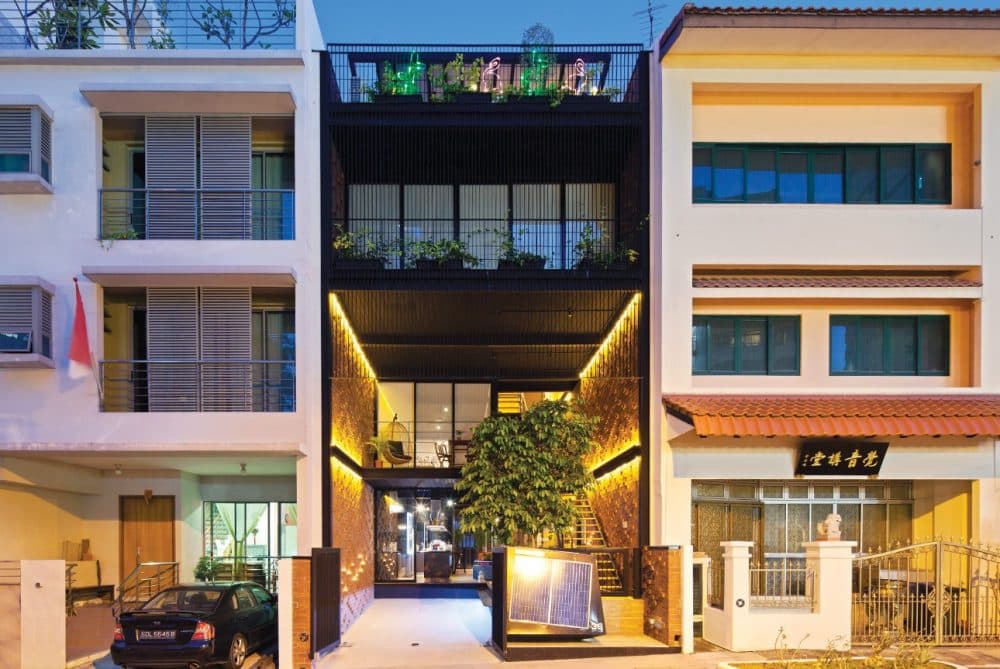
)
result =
(824, 197)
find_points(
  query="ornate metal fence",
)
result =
(780, 583)
(941, 592)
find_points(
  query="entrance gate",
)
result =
(939, 592)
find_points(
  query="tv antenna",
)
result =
(650, 14)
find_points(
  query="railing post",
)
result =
(938, 591)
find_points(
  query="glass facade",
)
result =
(417, 535)
(250, 530)
(430, 417)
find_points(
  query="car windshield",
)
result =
(184, 599)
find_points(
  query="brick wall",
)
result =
(661, 592)
(353, 505)
(611, 391)
(301, 613)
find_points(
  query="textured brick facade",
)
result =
(354, 535)
(353, 505)
(615, 500)
(610, 390)
(661, 588)
(301, 613)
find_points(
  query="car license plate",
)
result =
(157, 635)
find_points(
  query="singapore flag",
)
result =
(80, 362)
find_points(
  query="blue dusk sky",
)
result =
(571, 21)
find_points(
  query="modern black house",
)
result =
(486, 246)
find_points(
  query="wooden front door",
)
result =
(147, 531)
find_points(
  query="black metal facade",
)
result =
(541, 171)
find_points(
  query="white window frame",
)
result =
(42, 293)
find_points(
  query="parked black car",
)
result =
(197, 626)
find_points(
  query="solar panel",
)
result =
(548, 591)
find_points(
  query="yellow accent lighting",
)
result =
(600, 352)
(338, 312)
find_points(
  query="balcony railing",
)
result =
(262, 570)
(198, 385)
(488, 245)
(149, 24)
(501, 73)
(176, 213)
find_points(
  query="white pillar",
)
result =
(736, 598)
(43, 614)
(830, 564)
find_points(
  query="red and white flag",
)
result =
(80, 360)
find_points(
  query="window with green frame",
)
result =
(889, 345)
(822, 173)
(745, 345)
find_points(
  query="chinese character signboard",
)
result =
(834, 458)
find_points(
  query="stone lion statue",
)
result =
(829, 529)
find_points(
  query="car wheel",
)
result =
(237, 652)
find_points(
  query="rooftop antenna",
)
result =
(651, 15)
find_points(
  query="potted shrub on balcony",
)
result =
(398, 86)
(471, 76)
(602, 96)
(513, 259)
(356, 251)
(591, 256)
(441, 254)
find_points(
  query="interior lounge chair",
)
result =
(394, 455)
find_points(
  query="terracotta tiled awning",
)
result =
(838, 415)
(821, 281)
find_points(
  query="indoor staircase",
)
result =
(510, 403)
(587, 533)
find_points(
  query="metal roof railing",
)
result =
(497, 72)
(147, 24)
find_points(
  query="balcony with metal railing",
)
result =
(147, 24)
(198, 385)
(528, 247)
(412, 77)
(197, 213)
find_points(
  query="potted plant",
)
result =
(398, 86)
(205, 570)
(513, 258)
(378, 447)
(357, 251)
(601, 97)
(586, 250)
(441, 254)
(590, 254)
(471, 82)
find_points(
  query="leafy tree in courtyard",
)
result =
(520, 470)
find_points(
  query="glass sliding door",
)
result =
(415, 536)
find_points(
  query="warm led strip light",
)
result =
(626, 312)
(338, 312)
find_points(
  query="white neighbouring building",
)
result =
(179, 185)
(828, 236)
